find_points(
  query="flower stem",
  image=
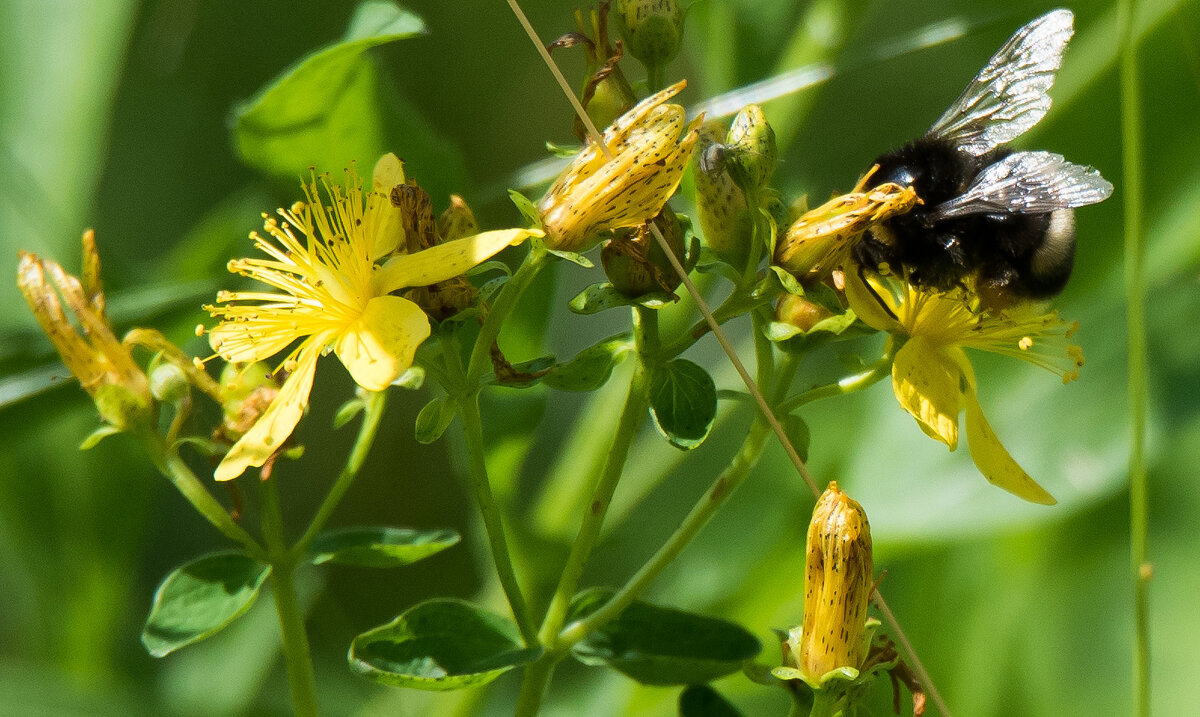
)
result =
(468, 408)
(537, 675)
(504, 304)
(880, 369)
(1135, 294)
(296, 654)
(185, 481)
(374, 403)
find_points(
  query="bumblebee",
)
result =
(1001, 219)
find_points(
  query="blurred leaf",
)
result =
(379, 547)
(797, 432)
(704, 701)
(439, 645)
(663, 646)
(526, 208)
(434, 419)
(328, 108)
(683, 401)
(573, 257)
(598, 297)
(98, 435)
(347, 411)
(590, 368)
(199, 598)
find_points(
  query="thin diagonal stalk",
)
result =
(1135, 295)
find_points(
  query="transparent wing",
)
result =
(1008, 96)
(1027, 183)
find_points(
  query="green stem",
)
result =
(1135, 293)
(504, 304)
(185, 481)
(374, 403)
(725, 484)
(296, 654)
(825, 703)
(468, 408)
(537, 675)
(880, 369)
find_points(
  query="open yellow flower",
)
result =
(104, 366)
(648, 148)
(932, 376)
(333, 280)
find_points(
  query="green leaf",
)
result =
(526, 208)
(199, 598)
(434, 419)
(683, 401)
(591, 367)
(329, 107)
(566, 151)
(704, 701)
(485, 267)
(797, 432)
(598, 297)
(412, 379)
(379, 547)
(98, 435)
(573, 257)
(440, 645)
(663, 646)
(789, 282)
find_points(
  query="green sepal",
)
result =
(662, 646)
(590, 368)
(379, 547)
(440, 645)
(198, 599)
(683, 402)
(433, 419)
(98, 435)
(789, 283)
(412, 379)
(566, 151)
(347, 411)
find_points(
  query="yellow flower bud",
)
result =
(838, 578)
(625, 183)
(725, 221)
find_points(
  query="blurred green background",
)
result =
(117, 115)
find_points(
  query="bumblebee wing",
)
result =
(1027, 183)
(1008, 96)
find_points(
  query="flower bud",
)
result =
(652, 30)
(721, 210)
(750, 151)
(799, 311)
(246, 392)
(457, 221)
(169, 383)
(635, 262)
(625, 183)
(838, 579)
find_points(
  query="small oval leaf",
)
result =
(198, 599)
(440, 645)
(379, 547)
(597, 298)
(434, 419)
(591, 367)
(664, 646)
(683, 401)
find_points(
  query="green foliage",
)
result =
(663, 646)
(434, 419)
(379, 547)
(683, 401)
(704, 701)
(198, 599)
(439, 645)
(590, 368)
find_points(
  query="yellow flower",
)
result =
(104, 366)
(649, 147)
(333, 293)
(932, 377)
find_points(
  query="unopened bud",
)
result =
(799, 311)
(652, 29)
(635, 262)
(750, 150)
(169, 383)
(725, 221)
(838, 579)
(457, 221)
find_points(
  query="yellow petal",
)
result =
(277, 422)
(445, 261)
(929, 386)
(871, 301)
(387, 221)
(992, 459)
(380, 345)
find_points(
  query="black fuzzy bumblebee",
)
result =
(1003, 218)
